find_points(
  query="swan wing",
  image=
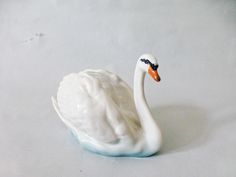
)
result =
(98, 104)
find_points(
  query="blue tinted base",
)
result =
(92, 149)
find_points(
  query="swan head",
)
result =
(148, 63)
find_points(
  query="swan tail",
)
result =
(73, 130)
(57, 109)
(55, 105)
(68, 124)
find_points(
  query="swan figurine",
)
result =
(105, 115)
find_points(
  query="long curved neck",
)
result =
(151, 132)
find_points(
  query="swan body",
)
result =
(104, 113)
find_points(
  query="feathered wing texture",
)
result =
(99, 104)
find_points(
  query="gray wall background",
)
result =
(194, 105)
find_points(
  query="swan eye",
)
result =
(145, 61)
(154, 67)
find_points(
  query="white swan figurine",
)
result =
(105, 115)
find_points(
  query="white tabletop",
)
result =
(194, 104)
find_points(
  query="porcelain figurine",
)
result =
(106, 115)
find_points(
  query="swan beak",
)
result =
(154, 74)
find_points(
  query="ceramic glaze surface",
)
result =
(105, 115)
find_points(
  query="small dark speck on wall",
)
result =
(39, 34)
(36, 36)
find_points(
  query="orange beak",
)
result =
(154, 74)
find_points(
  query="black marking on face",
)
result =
(146, 61)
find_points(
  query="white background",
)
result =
(194, 105)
